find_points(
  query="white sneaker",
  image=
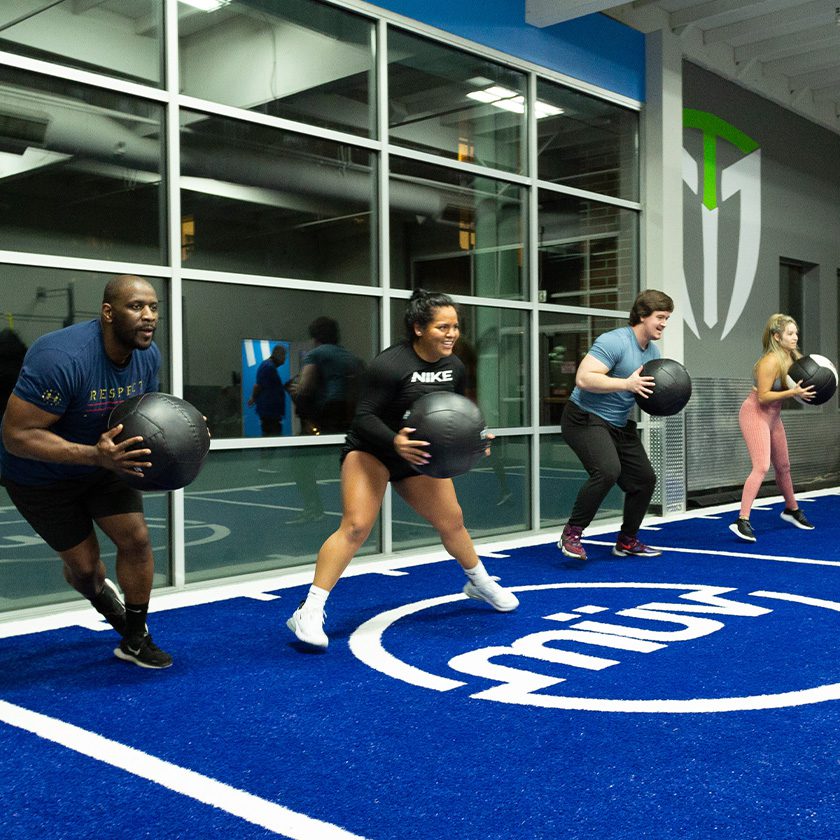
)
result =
(497, 596)
(307, 623)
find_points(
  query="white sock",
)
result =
(317, 597)
(477, 574)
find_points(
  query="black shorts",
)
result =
(398, 468)
(62, 513)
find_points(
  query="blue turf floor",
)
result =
(721, 719)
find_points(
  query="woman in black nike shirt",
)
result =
(380, 449)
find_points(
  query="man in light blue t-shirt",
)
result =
(596, 425)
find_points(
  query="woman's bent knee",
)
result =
(452, 523)
(355, 532)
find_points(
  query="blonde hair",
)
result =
(776, 325)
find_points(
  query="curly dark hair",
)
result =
(324, 330)
(421, 309)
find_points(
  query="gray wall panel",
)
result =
(787, 199)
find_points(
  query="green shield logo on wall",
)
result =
(709, 269)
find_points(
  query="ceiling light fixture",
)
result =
(482, 96)
(502, 92)
(205, 5)
(510, 100)
(543, 109)
(516, 104)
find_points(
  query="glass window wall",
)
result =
(588, 252)
(261, 509)
(283, 281)
(80, 170)
(232, 331)
(306, 61)
(38, 300)
(455, 104)
(455, 232)
(122, 38)
(259, 200)
(587, 143)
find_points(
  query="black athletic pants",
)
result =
(611, 456)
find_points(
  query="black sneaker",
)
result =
(741, 528)
(796, 517)
(111, 607)
(143, 652)
(632, 547)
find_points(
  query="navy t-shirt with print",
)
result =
(68, 373)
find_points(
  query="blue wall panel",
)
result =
(594, 48)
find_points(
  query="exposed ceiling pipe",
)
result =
(87, 135)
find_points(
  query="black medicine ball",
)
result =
(454, 428)
(173, 429)
(672, 388)
(816, 372)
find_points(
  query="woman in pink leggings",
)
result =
(761, 423)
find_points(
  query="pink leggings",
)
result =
(764, 434)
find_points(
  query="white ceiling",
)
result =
(785, 50)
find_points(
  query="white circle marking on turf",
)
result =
(366, 644)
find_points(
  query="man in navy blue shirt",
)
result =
(61, 466)
(269, 394)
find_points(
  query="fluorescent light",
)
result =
(517, 104)
(482, 96)
(510, 100)
(205, 5)
(502, 93)
(480, 81)
(543, 109)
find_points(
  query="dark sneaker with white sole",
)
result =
(143, 652)
(796, 517)
(741, 528)
(633, 547)
(569, 542)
